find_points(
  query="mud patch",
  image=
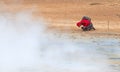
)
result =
(95, 4)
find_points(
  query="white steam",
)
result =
(19, 41)
(24, 47)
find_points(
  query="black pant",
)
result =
(88, 28)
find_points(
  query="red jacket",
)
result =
(83, 22)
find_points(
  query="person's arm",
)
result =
(78, 24)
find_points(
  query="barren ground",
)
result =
(62, 15)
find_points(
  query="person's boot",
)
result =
(85, 29)
(94, 28)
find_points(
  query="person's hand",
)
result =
(78, 24)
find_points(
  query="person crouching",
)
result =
(86, 24)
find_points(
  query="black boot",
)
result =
(94, 28)
(84, 29)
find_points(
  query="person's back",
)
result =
(86, 17)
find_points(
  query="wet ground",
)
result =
(67, 53)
